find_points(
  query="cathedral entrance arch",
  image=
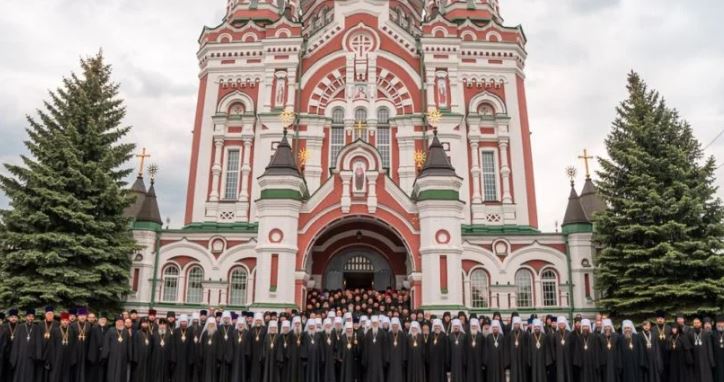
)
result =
(358, 267)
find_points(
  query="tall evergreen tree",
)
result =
(65, 240)
(662, 233)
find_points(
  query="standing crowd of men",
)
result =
(78, 346)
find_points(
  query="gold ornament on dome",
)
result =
(287, 117)
(571, 173)
(434, 116)
(152, 170)
(420, 158)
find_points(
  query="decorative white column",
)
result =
(505, 171)
(245, 169)
(372, 191)
(216, 169)
(346, 201)
(475, 171)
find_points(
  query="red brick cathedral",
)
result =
(362, 144)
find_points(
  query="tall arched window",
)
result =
(237, 286)
(524, 283)
(337, 135)
(479, 288)
(549, 284)
(170, 283)
(383, 135)
(360, 123)
(194, 287)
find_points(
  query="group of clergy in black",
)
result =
(79, 346)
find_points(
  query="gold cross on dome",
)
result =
(585, 158)
(360, 129)
(142, 156)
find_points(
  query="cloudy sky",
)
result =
(579, 54)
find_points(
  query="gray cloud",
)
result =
(579, 54)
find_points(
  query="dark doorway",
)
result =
(361, 280)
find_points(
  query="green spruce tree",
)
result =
(662, 232)
(65, 241)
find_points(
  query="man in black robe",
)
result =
(26, 350)
(60, 351)
(661, 332)
(116, 352)
(208, 358)
(416, 355)
(474, 356)
(680, 357)
(47, 327)
(516, 351)
(9, 330)
(587, 353)
(611, 357)
(141, 351)
(329, 347)
(495, 353)
(162, 354)
(456, 352)
(96, 368)
(272, 355)
(80, 330)
(373, 356)
(293, 370)
(256, 336)
(539, 352)
(348, 353)
(226, 347)
(183, 344)
(718, 346)
(240, 363)
(654, 362)
(561, 348)
(396, 351)
(702, 352)
(633, 356)
(312, 353)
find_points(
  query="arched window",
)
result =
(549, 284)
(170, 283)
(383, 135)
(237, 287)
(524, 283)
(479, 288)
(194, 287)
(337, 135)
(360, 123)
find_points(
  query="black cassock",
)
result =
(611, 358)
(96, 368)
(703, 355)
(196, 366)
(654, 362)
(60, 355)
(539, 356)
(162, 357)
(416, 350)
(225, 353)
(272, 357)
(183, 342)
(437, 357)
(373, 355)
(680, 359)
(561, 345)
(116, 354)
(26, 351)
(516, 353)
(7, 336)
(456, 356)
(348, 353)
(209, 358)
(495, 358)
(141, 350)
(396, 356)
(312, 354)
(42, 366)
(662, 341)
(293, 370)
(633, 358)
(329, 345)
(82, 333)
(256, 368)
(474, 356)
(240, 364)
(718, 346)
(587, 357)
